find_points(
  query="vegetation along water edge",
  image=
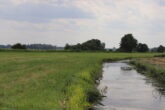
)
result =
(154, 68)
(53, 81)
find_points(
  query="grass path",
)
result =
(51, 81)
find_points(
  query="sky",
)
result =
(58, 22)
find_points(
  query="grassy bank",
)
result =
(52, 81)
(152, 67)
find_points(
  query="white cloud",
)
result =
(113, 18)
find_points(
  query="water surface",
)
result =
(128, 90)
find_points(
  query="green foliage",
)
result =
(67, 46)
(161, 48)
(152, 70)
(52, 81)
(91, 45)
(128, 43)
(161, 55)
(18, 46)
(41, 46)
(142, 47)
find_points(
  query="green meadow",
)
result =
(52, 81)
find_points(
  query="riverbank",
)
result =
(153, 69)
(53, 81)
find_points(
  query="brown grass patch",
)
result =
(155, 61)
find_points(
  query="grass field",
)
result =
(52, 81)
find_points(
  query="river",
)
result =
(128, 90)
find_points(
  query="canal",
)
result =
(128, 90)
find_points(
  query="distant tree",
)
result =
(161, 48)
(67, 46)
(142, 47)
(128, 43)
(76, 47)
(5, 46)
(41, 46)
(18, 46)
(154, 49)
(93, 44)
(110, 50)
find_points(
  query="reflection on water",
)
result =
(159, 86)
(128, 90)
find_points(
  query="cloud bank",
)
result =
(72, 21)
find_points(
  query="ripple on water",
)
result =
(128, 90)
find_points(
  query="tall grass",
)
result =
(154, 71)
(52, 81)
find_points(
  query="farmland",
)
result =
(52, 81)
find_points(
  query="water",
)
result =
(128, 90)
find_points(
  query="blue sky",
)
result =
(59, 22)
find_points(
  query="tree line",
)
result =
(127, 44)
(130, 44)
(31, 46)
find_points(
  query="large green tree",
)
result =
(128, 43)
